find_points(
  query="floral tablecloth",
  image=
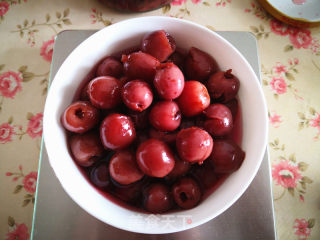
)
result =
(290, 60)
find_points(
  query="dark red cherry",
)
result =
(139, 65)
(186, 193)
(180, 169)
(137, 95)
(223, 86)
(158, 44)
(110, 66)
(157, 198)
(205, 175)
(226, 156)
(123, 167)
(219, 120)
(155, 158)
(104, 92)
(199, 65)
(165, 116)
(139, 119)
(194, 144)
(99, 174)
(169, 81)
(86, 148)
(117, 131)
(80, 117)
(233, 105)
(193, 99)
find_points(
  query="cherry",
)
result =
(137, 95)
(110, 66)
(205, 175)
(223, 86)
(86, 148)
(157, 198)
(199, 65)
(139, 65)
(80, 117)
(117, 131)
(169, 81)
(165, 116)
(130, 193)
(99, 174)
(158, 44)
(180, 169)
(226, 156)
(193, 99)
(155, 158)
(167, 137)
(219, 120)
(186, 193)
(123, 167)
(104, 92)
(194, 144)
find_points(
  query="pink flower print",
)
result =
(280, 68)
(30, 182)
(301, 39)
(20, 232)
(316, 122)
(301, 227)
(195, 1)
(6, 132)
(286, 174)
(10, 84)
(35, 126)
(278, 85)
(279, 28)
(47, 50)
(178, 2)
(4, 7)
(275, 120)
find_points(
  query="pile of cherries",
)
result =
(154, 127)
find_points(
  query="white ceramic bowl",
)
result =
(123, 35)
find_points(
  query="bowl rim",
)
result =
(124, 226)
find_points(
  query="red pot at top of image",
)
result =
(135, 5)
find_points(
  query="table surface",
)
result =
(290, 70)
(63, 210)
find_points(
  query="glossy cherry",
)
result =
(186, 193)
(155, 158)
(199, 65)
(219, 120)
(194, 144)
(137, 95)
(86, 148)
(158, 44)
(80, 117)
(110, 66)
(193, 99)
(117, 131)
(139, 65)
(104, 92)
(165, 116)
(169, 81)
(223, 86)
(157, 198)
(123, 167)
(226, 156)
